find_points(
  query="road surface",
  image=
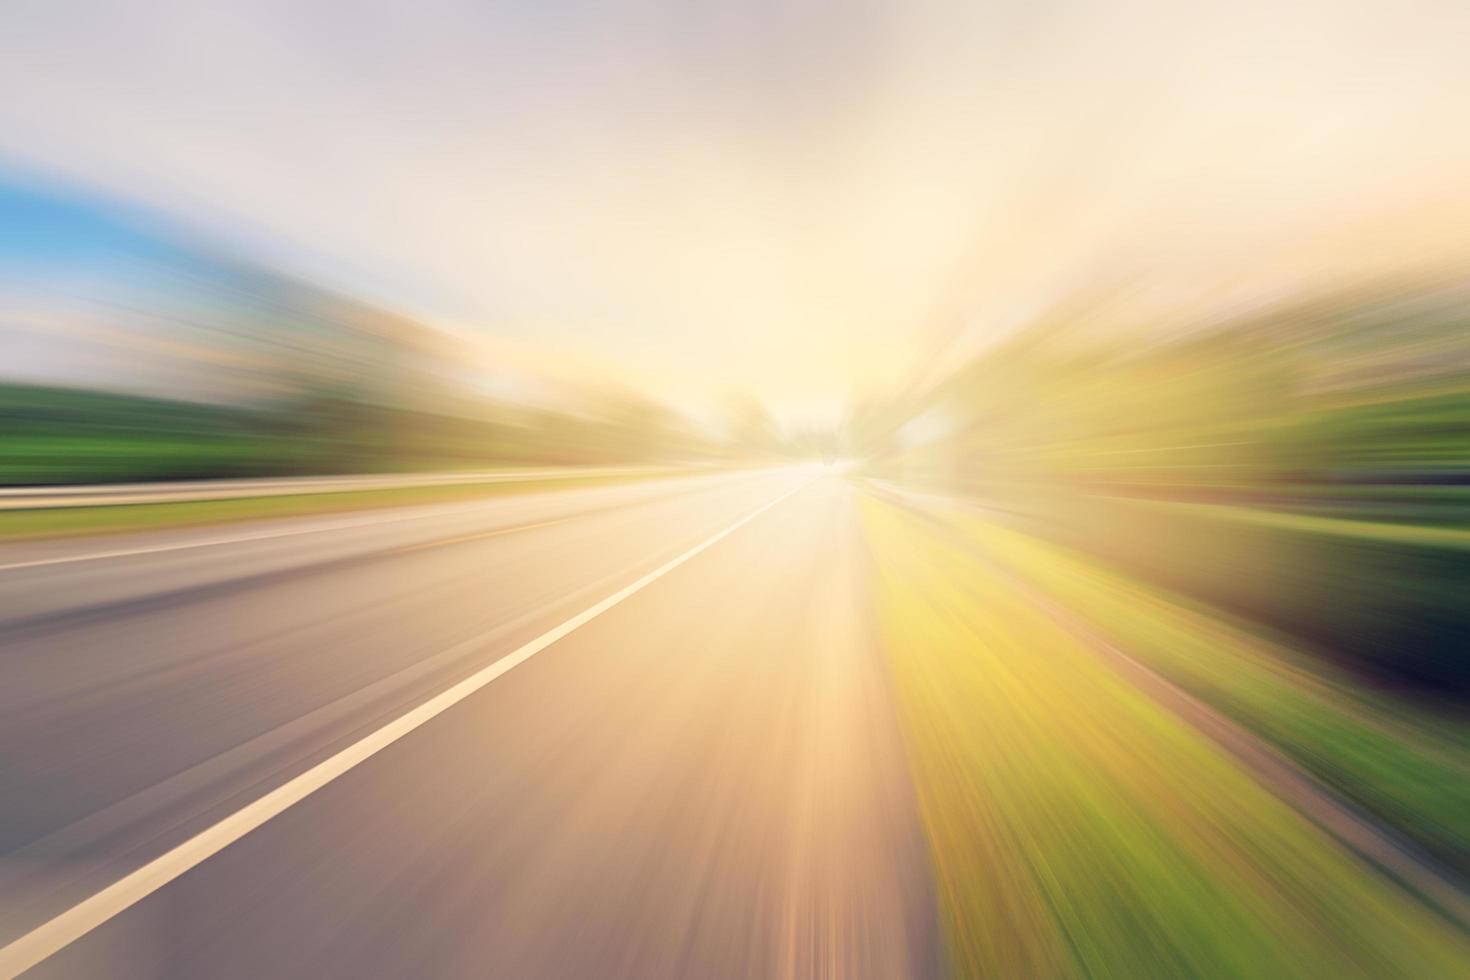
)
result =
(703, 779)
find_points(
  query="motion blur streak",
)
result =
(1017, 455)
(707, 780)
(1100, 802)
(97, 909)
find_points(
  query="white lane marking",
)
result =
(82, 918)
(242, 538)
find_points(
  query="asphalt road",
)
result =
(704, 780)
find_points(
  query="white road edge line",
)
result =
(82, 918)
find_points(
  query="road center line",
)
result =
(82, 918)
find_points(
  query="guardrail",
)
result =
(36, 498)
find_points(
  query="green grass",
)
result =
(65, 521)
(1406, 765)
(1079, 829)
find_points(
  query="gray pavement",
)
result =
(704, 781)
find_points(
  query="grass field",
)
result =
(1080, 829)
(1405, 761)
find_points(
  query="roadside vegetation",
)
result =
(1404, 761)
(72, 436)
(1305, 468)
(1097, 539)
(1080, 829)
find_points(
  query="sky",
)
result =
(807, 201)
